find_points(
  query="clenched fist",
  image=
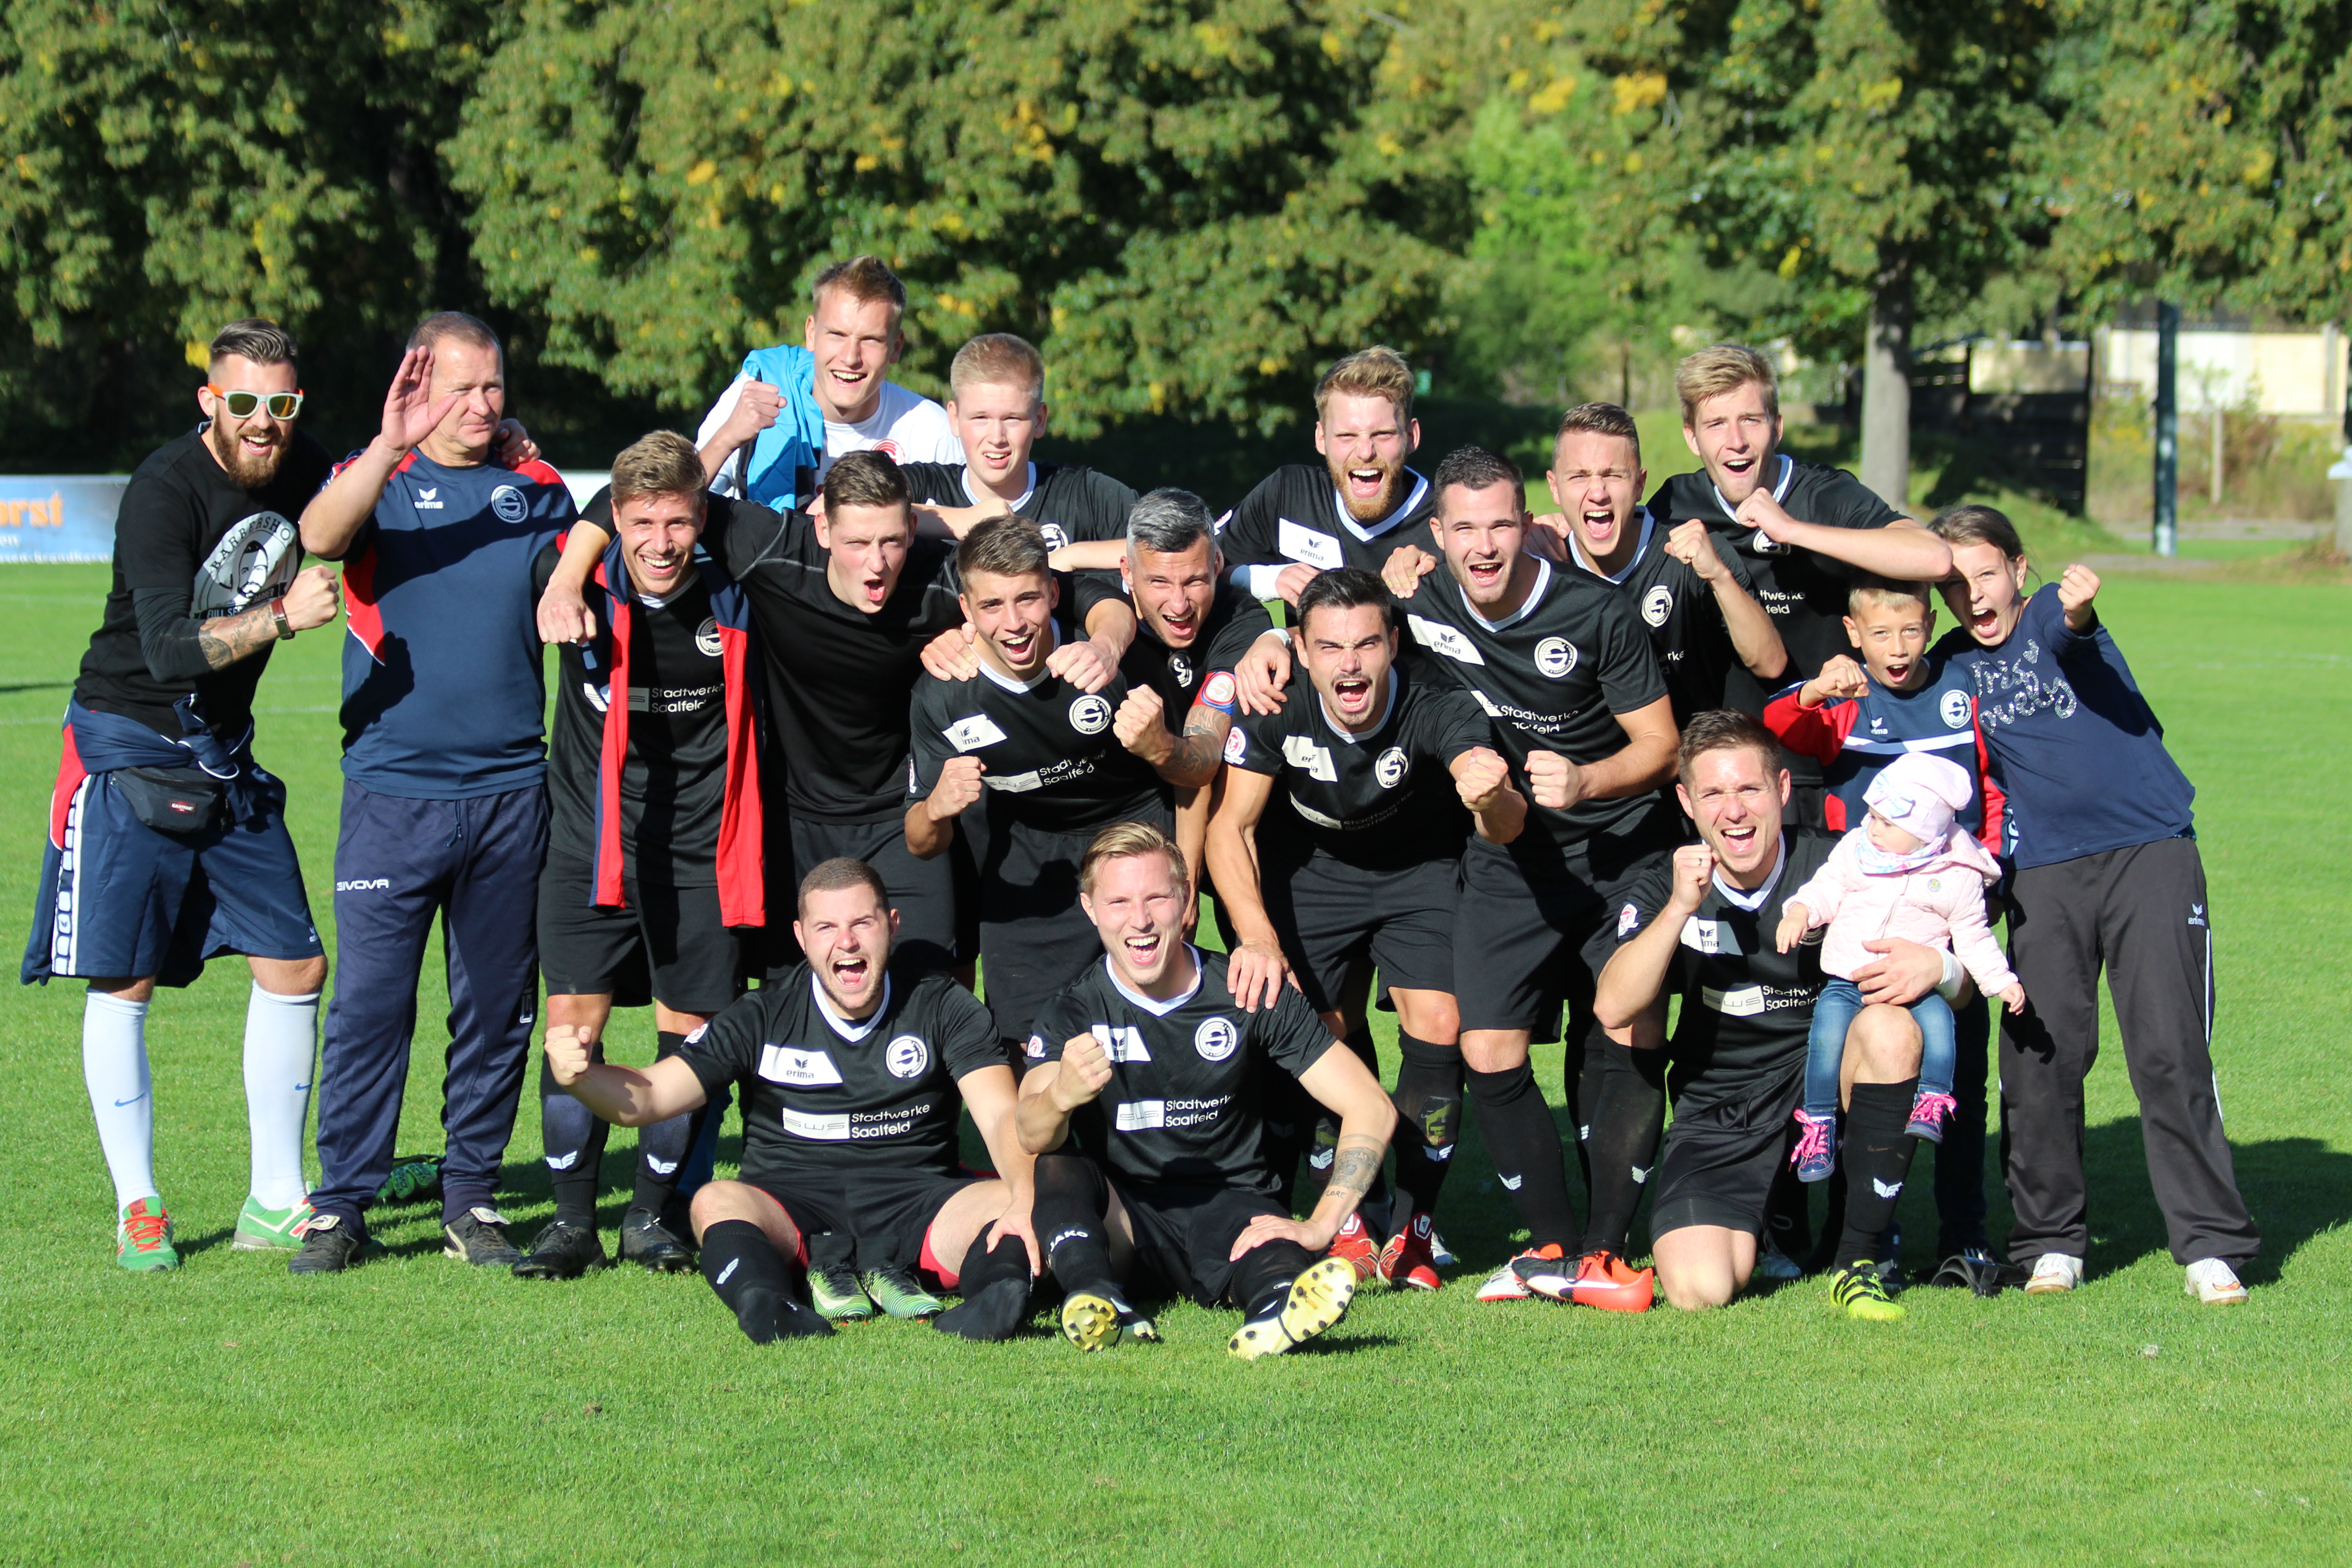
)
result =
(311, 598)
(1141, 727)
(958, 787)
(2077, 589)
(1407, 565)
(1694, 870)
(1760, 511)
(1694, 546)
(1085, 1072)
(1841, 681)
(1558, 783)
(569, 1053)
(1480, 776)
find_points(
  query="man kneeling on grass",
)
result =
(851, 1079)
(1148, 1058)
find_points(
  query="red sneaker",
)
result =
(1355, 1246)
(1604, 1280)
(1406, 1261)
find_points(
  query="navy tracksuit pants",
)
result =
(398, 863)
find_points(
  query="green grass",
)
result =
(414, 1410)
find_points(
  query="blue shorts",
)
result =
(120, 901)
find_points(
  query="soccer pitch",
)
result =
(416, 1409)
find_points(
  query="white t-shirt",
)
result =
(907, 426)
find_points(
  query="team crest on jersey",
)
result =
(906, 1057)
(1216, 1039)
(1627, 918)
(1054, 536)
(1181, 669)
(1554, 657)
(1955, 709)
(1090, 715)
(1218, 692)
(705, 637)
(1035, 1049)
(1657, 605)
(507, 505)
(1236, 744)
(1390, 769)
(1765, 545)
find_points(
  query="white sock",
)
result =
(280, 1035)
(114, 1066)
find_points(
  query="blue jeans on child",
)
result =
(1834, 1014)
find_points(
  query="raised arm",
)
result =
(1050, 1091)
(623, 1096)
(1644, 762)
(337, 514)
(1753, 636)
(1635, 973)
(1900, 550)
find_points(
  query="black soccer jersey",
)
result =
(1187, 1093)
(1746, 1007)
(1180, 675)
(674, 777)
(1682, 616)
(1053, 761)
(1382, 799)
(1069, 504)
(1554, 675)
(191, 545)
(1803, 592)
(1295, 514)
(825, 1099)
(838, 678)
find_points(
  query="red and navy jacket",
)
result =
(742, 885)
(1852, 738)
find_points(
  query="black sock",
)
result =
(1261, 1278)
(662, 1147)
(573, 1137)
(1525, 1146)
(995, 1286)
(755, 1282)
(1429, 1120)
(1584, 1077)
(1877, 1156)
(1072, 1198)
(1621, 1140)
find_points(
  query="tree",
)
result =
(1189, 205)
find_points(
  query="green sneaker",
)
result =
(413, 1180)
(1857, 1290)
(143, 1239)
(269, 1230)
(834, 1292)
(895, 1291)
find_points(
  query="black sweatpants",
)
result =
(2142, 913)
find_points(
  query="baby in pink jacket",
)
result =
(1906, 873)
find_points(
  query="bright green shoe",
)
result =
(143, 1239)
(833, 1291)
(1857, 1290)
(269, 1230)
(895, 1291)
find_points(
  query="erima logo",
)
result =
(705, 637)
(1181, 669)
(1441, 638)
(2196, 915)
(557, 1162)
(1121, 1042)
(1554, 657)
(428, 501)
(1303, 543)
(1301, 752)
(1955, 709)
(1320, 1160)
(660, 1167)
(1389, 770)
(1216, 1039)
(1657, 605)
(1512, 1183)
(365, 885)
(1090, 715)
(506, 502)
(1885, 1189)
(971, 735)
(789, 1064)
(906, 1057)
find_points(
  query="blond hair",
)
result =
(1376, 372)
(863, 279)
(1126, 841)
(1600, 419)
(1880, 592)
(1725, 367)
(662, 464)
(998, 358)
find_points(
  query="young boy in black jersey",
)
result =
(1357, 860)
(1041, 753)
(655, 833)
(1159, 1077)
(852, 1078)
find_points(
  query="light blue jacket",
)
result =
(795, 442)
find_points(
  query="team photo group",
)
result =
(894, 770)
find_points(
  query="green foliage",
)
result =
(1190, 203)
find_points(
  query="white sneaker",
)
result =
(2214, 1283)
(1771, 1263)
(2054, 1274)
(1438, 1253)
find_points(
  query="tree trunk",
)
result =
(1886, 386)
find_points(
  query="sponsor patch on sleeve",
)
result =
(1035, 1049)
(1627, 918)
(1236, 744)
(1219, 693)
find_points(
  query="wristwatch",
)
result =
(277, 613)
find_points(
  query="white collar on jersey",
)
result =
(1156, 1008)
(1780, 489)
(1014, 507)
(1649, 526)
(1387, 711)
(1043, 675)
(1403, 511)
(1534, 598)
(1755, 901)
(852, 1032)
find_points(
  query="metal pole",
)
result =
(2168, 428)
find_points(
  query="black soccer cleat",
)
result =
(563, 1249)
(479, 1237)
(766, 1316)
(648, 1243)
(331, 1243)
(1972, 1267)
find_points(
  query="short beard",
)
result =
(1391, 493)
(250, 472)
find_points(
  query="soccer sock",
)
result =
(573, 1138)
(662, 1148)
(995, 1286)
(281, 1034)
(1877, 1157)
(114, 1067)
(1584, 1077)
(1068, 1218)
(1429, 1118)
(1621, 1141)
(1261, 1278)
(751, 1276)
(1525, 1146)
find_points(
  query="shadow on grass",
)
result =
(2297, 1188)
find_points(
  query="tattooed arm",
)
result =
(1341, 1082)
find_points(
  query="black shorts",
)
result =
(1184, 1233)
(1720, 1157)
(1035, 939)
(1330, 915)
(1538, 923)
(889, 1212)
(665, 944)
(922, 891)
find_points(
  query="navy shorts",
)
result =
(125, 900)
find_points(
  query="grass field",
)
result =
(417, 1410)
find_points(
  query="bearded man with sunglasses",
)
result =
(167, 842)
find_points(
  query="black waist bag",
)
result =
(173, 800)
